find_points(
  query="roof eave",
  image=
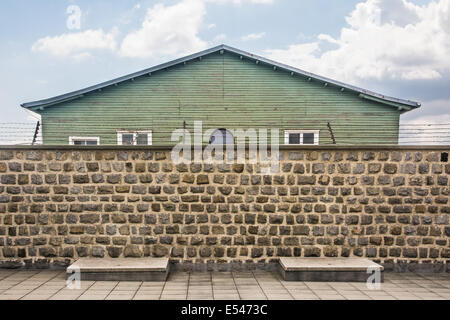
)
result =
(325, 79)
(80, 93)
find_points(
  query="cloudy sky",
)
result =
(396, 47)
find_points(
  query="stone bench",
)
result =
(125, 269)
(329, 269)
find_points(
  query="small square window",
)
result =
(127, 139)
(84, 141)
(308, 138)
(136, 138)
(294, 138)
(300, 137)
(142, 139)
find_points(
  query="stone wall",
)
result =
(390, 205)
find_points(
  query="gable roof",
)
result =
(401, 104)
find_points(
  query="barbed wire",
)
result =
(22, 133)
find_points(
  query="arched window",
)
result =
(222, 136)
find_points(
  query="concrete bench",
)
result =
(128, 269)
(329, 269)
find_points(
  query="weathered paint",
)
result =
(223, 91)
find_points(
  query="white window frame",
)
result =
(73, 139)
(301, 132)
(135, 133)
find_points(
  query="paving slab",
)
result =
(418, 286)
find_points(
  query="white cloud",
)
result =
(174, 30)
(253, 36)
(432, 119)
(393, 39)
(430, 111)
(79, 57)
(77, 45)
(32, 116)
(219, 38)
(166, 31)
(169, 31)
(129, 16)
(239, 2)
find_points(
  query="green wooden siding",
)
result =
(224, 92)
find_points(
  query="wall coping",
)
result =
(282, 148)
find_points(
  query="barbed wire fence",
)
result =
(424, 134)
(409, 134)
(17, 133)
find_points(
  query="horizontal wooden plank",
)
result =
(223, 92)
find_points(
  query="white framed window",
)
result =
(134, 138)
(302, 137)
(84, 141)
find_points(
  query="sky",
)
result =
(400, 48)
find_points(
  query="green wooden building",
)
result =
(226, 89)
